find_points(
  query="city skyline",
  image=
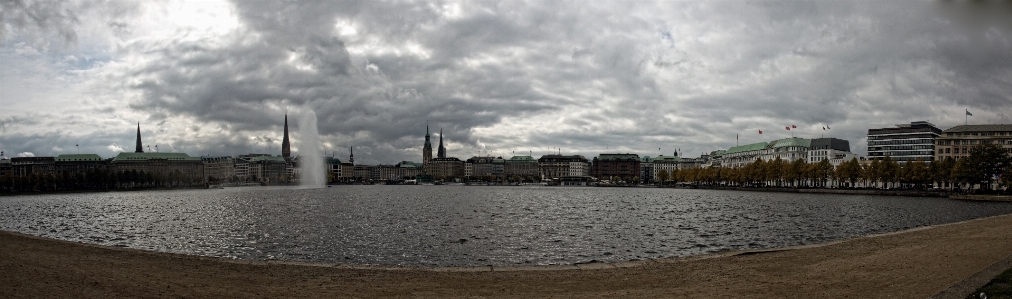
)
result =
(216, 78)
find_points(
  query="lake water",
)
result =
(468, 226)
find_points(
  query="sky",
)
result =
(213, 78)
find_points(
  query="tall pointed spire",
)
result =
(427, 148)
(351, 158)
(442, 150)
(286, 146)
(139, 149)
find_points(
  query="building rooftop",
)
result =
(614, 157)
(267, 158)
(124, 157)
(793, 141)
(744, 148)
(78, 157)
(980, 128)
(409, 164)
(578, 157)
(663, 158)
(522, 159)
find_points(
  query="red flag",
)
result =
(735, 136)
(788, 128)
(760, 131)
(794, 127)
(823, 128)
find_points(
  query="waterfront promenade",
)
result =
(915, 263)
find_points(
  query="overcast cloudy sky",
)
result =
(216, 77)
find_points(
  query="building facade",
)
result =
(668, 164)
(957, 141)
(479, 166)
(25, 166)
(521, 166)
(218, 169)
(557, 166)
(624, 166)
(176, 168)
(267, 169)
(446, 168)
(79, 163)
(739, 156)
(836, 151)
(905, 142)
(646, 170)
(787, 149)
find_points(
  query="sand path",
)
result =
(916, 263)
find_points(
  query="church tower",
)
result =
(427, 149)
(286, 146)
(442, 150)
(140, 149)
(351, 158)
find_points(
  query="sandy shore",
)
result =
(910, 264)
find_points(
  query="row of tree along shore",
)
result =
(987, 168)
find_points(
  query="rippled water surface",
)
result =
(467, 226)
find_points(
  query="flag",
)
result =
(823, 128)
(827, 127)
(968, 113)
(735, 136)
(788, 128)
(794, 127)
(760, 131)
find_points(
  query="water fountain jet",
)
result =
(310, 160)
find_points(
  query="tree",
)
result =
(662, 176)
(916, 173)
(795, 172)
(849, 171)
(960, 171)
(986, 162)
(1006, 177)
(890, 171)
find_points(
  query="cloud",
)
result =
(115, 148)
(26, 154)
(216, 78)
(39, 23)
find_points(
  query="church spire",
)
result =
(286, 146)
(427, 148)
(351, 158)
(442, 150)
(140, 149)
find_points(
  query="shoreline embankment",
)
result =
(911, 193)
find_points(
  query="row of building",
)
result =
(918, 140)
(907, 142)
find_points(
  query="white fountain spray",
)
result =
(310, 159)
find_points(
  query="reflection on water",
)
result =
(467, 226)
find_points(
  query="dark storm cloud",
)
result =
(587, 77)
(247, 82)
